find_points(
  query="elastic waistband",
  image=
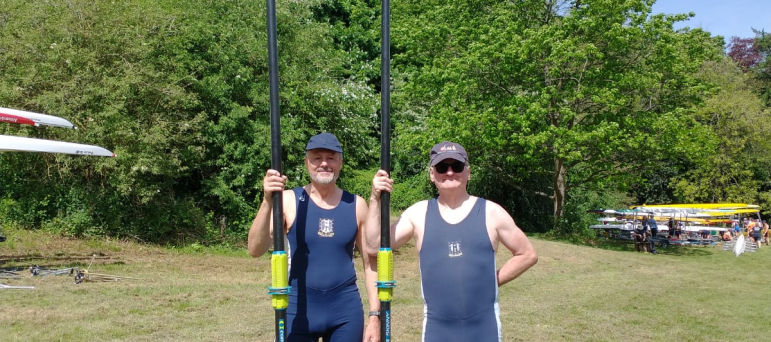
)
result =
(344, 287)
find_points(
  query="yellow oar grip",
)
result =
(279, 265)
(385, 274)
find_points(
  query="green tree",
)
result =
(762, 71)
(738, 167)
(179, 90)
(557, 95)
(355, 29)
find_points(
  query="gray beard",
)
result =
(324, 180)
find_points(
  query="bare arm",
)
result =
(401, 231)
(261, 231)
(523, 254)
(381, 182)
(372, 332)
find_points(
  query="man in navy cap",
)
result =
(457, 237)
(322, 225)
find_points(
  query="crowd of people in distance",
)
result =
(646, 232)
(757, 231)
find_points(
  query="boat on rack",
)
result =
(25, 144)
(694, 223)
(22, 144)
(31, 118)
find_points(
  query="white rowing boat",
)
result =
(21, 144)
(30, 118)
(16, 119)
(740, 245)
(701, 228)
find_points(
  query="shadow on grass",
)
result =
(686, 250)
(613, 245)
(628, 246)
(59, 260)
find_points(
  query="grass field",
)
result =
(574, 293)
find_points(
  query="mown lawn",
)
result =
(574, 293)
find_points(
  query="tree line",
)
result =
(563, 106)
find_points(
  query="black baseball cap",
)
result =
(448, 150)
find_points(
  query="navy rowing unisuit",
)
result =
(458, 278)
(324, 301)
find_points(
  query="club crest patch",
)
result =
(326, 227)
(455, 250)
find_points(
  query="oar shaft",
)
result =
(385, 122)
(385, 282)
(279, 289)
(275, 125)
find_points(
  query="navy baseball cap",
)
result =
(327, 141)
(448, 150)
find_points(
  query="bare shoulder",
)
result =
(503, 229)
(416, 211)
(497, 215)
(410, 224)
(361, 208)
(288, 193)
(290, 209)
(360, 201)
(492, 206)
(288, 197)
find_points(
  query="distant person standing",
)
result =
(756, 232)
(748, 224)
(737, 229)
(766, 232)
(653, 225)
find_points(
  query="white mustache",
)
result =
(323, 169)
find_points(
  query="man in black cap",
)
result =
(322, 224)
(457, 236)
(641, 233)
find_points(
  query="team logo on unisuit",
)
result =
(326, 227)
(455, 249)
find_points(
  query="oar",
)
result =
(278, 260)
(385, 257)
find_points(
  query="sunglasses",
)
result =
(457, 167)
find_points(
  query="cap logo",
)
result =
(448, 148)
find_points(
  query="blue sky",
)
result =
(721, 17)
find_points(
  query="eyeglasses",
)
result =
(457, 167)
